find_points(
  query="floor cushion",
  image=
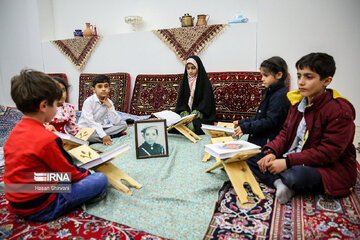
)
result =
(237, 94)
(119, 89)
(154, 93)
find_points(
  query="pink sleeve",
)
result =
(71, 126)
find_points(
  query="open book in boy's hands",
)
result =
(67, 138)
(171, 118)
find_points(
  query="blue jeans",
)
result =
(301, 179)
(90, 187)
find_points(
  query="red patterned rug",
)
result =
(119, 89)
(187, 41)
(305, 217)
(74, 225)
(78, 50)
(154, 93)
(318, 217)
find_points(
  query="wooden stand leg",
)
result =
(206, 157)
(115, 175)
(192, 133)
(240, 173)
(184, 130)
(215, 166)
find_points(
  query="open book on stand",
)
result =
(71, 139)
(82, 153)
(217, 128)
(229, 149)
(172, 118)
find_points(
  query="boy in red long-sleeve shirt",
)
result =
(32, 151)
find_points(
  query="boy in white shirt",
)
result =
(98, 112)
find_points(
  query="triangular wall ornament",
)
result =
(187, 41)
(78, 50)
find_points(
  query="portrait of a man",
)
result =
(151, 138)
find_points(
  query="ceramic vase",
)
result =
(202, 20)
(88, 31)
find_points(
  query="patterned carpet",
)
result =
(77, 50)
(8, 121)
(187, 41)
(74, 225)
(305, 217)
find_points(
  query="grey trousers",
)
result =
(109, 131)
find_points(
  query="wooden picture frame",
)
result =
(151, 138)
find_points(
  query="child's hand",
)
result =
(265, 161)
(51, 128)
(189, 120)
(236, 123)
(107, 140)
(238, 132)
(277, 166)
(106, 102)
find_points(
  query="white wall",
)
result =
(108, 15)
(131, 53)
(306, 26)
(20, 44)
(289, 29)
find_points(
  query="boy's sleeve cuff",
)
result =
(287, 162)
(268, 151)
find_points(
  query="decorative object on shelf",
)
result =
(238, 18)
(89, 30)
(186, 20)
(78, 50)
(134, 21)
(202, 19)
(190, 40)
(78, 33)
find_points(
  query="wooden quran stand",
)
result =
(240, 173)
(86, 153)
(185, 131)
(235, 167)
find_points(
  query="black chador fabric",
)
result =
(203, 97)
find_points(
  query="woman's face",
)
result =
(150, 136)
(191, 70)
(64, 95)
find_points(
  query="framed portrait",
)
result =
(151, 138)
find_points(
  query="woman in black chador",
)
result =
(196, 96)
